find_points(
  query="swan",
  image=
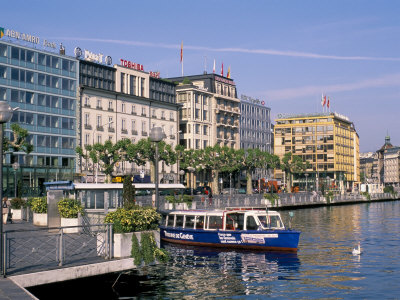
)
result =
(357, 251)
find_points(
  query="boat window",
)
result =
(171, 220)
(263, 220)
(215, 222)
(189, 222)
(179, 221)
(199, 222)
(251, 223)
(164, 220)
(235, 220)
(276, 222)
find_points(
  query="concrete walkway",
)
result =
(10, 291)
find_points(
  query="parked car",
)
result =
(240, 191)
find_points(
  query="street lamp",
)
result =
(191, 170)
(6, 113)
(306, 181)
(94, 129)
(15, 167)
(156, 136)
(230, 184)
(181, 173)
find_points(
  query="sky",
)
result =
(287, 53)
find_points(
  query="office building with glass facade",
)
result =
(42, 85)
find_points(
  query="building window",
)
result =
(144, 111)
(123, 107)
(86, 139)
(110, 122)
(133, 110)
(171, 116)
(87, 102)
(98, 121)
(163, 115)
(98, 104)
(132, 85)
(205, 130)
(110, 105)
(197, 129)
(142, 86)
(122, 82)
(86, 119)
(123, 124)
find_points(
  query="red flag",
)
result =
(324, 102)
(182, 51)
(222, 70)
(328, 103)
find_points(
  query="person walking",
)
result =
(6, 209)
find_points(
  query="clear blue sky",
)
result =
(284, 52)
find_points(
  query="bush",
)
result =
(131, 220)
(271, 197)
(17, 203)
(69, 208)
(39, 205)
(388, 189)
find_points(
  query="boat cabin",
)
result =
(224, 220)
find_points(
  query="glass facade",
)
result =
(43, 86)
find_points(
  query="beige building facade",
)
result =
(127, 113)
(328, 142)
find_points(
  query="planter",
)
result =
(65, 222)
(123, 242)
(39, 219)
(18, 214)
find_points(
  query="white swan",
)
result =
(357, 251)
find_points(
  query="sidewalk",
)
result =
(8, 289)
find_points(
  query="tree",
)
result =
(252, 159)
(292, 164)
(128, 193)
(19, 141)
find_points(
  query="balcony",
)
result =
(99, 128)
(87, 105)
(162, 118)
(99, 107)
(111, 109)
(124, 131)
(134, 132)
(143, 114)
(172, 137)
(144, 133)
(88, 127)
(111, 129)
(134, 113)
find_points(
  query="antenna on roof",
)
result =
(205, 64)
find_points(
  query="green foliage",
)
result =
(69, 208)
(329, 197)
(271, 197)
(170, 199)
(186, 81)
(366, 195)
(128, 193)
(39, 205)
(17, 203)
(148, 250)
(136, 252)
(148, 245)
(19, 142)
(388, 189)
(131, 220)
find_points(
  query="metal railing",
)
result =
(50, 248)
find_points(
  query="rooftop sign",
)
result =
(93, 57)
(252, 100)
(131, 65)
(224, 80)
(26, 37)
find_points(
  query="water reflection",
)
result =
(323, 268)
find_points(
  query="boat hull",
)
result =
(272, 240)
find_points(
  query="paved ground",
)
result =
(33, 249)
(8, 289)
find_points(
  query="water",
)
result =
(323, 268)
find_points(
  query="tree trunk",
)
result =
(215, 189)
(249, 188)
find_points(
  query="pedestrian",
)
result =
(6, 210)
(210, 197)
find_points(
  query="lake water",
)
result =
(324, 266)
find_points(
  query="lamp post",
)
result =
(15, 167)
(156, 136)
(191, 170)
(181, 173)
(306, 181)
(328, 180)
(94, 129)
(6, 113)
(230, 184)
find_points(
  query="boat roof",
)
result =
(201, 212)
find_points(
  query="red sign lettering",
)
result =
(131, 65)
